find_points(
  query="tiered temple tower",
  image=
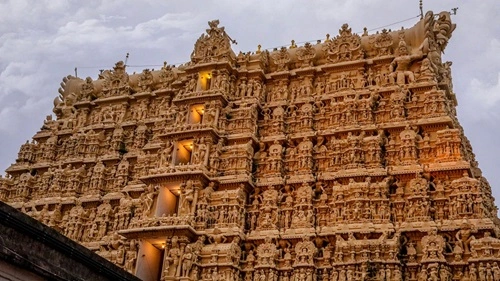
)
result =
(340, 160)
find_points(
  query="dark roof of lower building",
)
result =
(37, 248)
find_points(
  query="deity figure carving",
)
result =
(433, 246)
(408, 151)
(212, 46)
(241, 88)
(426, 71)
(267, 253)
(383, 43)
(344, 47)
(200, 152)
(187, 197)
(411, 252)
(304, 154)
(116, 81)
(166, 155)
(87, 91)
(217, 237)
(304, 252)
(464, 237)
(210, 115)
(398, 111)
(281, 59)
(77, 217)
(187, 261)
(172, 259)
(103, 218)
(268, 216)
(400, 66)
(147, 199)
(418, 186)
(64, 109)
(146, 81)
(131, 257)
(124, 213)
(167, 76)
(306, 54)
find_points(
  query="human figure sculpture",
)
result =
(148, 200)
(426, 71)
(172, 258)
(187, 197)
(131, 256)
(187, 261)
(400, 66)
(464, 236)
(496, 271)
(411, 252)
(166, 155)
(433, 273)
(433, 246)
(217, 237)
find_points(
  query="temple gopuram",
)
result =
(337, 160)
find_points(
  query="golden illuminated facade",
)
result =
(340, 160)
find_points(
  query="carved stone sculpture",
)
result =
(341, 160)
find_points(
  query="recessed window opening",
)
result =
(183, 153)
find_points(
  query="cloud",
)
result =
(485, 95)
(479, 98)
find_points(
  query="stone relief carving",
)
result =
(342, 160)
(344, 47)
(212, 46)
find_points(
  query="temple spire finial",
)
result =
(126, 58)
(421, 6)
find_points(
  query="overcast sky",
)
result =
(43, 41)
